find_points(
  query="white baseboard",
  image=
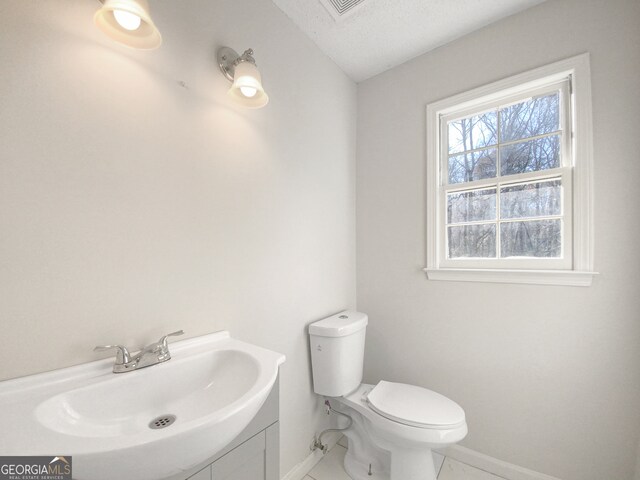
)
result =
(300, 470)
(475, 459)
(492, 465)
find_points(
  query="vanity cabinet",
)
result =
(252, 455)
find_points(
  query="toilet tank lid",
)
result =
(339, 325)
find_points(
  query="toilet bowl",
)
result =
(395, 425)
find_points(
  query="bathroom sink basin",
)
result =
(148, 424)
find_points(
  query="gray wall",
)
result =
(549, 376)
(131, 206)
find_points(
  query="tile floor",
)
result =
(330, 467)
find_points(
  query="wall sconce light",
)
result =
(242, 71)
(128, 22)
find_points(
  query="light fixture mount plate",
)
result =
(227, 58)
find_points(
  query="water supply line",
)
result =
(318, 441)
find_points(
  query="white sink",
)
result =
(213, 385)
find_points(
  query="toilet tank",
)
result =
(337, 353)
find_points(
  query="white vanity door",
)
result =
(246, 462)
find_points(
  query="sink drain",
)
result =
(163, 421)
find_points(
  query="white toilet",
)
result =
(395, 425)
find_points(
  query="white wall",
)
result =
(549, 376)
(131, 206)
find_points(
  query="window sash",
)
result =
(565, 261)
(563, 87)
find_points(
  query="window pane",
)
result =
(540, 199)
(473, 132)
(539, 238)
(530, 118)
(471, 206)
(472, 166)
(531, 156)
(472, 241)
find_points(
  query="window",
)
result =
(509, 180)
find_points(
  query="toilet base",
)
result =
(404, 465)
(412, 465)
(359, 471)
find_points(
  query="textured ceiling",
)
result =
(380, 34)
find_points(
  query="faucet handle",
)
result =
(163, 340)
(122, 356)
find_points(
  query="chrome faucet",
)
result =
(153, 354)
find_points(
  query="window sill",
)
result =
(532, 277)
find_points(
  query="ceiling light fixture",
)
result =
(247, 87)
(128, 22)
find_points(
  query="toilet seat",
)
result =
(414, 406)
(390, 432)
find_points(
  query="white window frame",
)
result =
(572, 77)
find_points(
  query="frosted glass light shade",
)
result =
(247, 87)
(145, 36)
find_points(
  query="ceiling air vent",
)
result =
(340, 9)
